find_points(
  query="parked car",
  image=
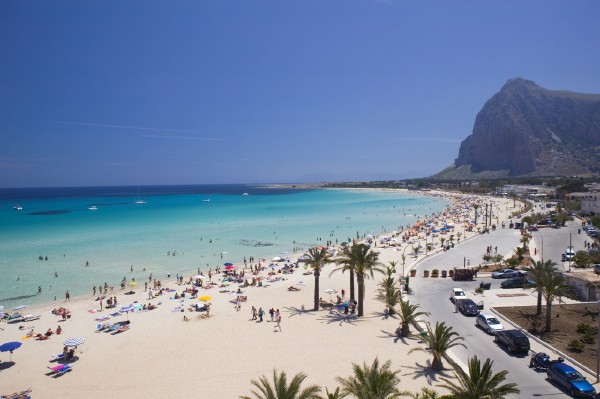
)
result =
(467, 307)
(516, 282)
(489, 323)
(532, 228)
(505, 273)
(597, 268)
(571, 380)
(457, 294)
(513, 340)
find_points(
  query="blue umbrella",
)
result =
(10, 347)
(228, 264)
(76, 341)
(127, 309)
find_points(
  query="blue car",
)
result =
(570, 379)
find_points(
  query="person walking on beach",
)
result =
(278, 325)
(253, 313)
(261, 313)
(67, 296)
(272, 313)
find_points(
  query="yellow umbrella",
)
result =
(205, 298)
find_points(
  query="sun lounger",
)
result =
(63, 370)
(58, 368)
(57, 357)
(31, 317)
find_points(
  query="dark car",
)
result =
(514, 340)
(505, 273)
(571, 380)
(468, 307)
(517, 282)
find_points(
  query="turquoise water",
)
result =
(204, 226)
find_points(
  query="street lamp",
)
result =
(404, 258)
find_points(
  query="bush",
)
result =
(589, 338)
(576, 346)
(479, 290)
(584, 328)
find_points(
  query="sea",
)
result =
(54, 240)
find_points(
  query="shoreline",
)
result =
(235, 346)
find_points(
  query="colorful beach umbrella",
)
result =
(229, 267)
(127, 309)
(228, 264)
(75, 341)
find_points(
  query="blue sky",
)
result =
(249, 91)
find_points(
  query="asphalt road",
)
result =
(433, 296)
(552, 243)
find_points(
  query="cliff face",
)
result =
(527, 130)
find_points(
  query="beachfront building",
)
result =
(527, 190)
(590, 201)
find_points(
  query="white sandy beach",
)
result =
(216, 357)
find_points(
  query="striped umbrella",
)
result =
(1, 307)
(127, 309)
(75, 341)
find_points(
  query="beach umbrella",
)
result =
(229, 267)
(10, 347)
(127, 309)
(75, 341)
(1, 307)
(284, 252)
(205, 298)
(330, 291)
(228, 264)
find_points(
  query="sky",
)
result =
(96, 93)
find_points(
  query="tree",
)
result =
(475, 208)
(582, 259)
(520, 253)
(335, 394)
(458, 235)
(511, 262)
(319, 257)
(479, 382)
(415, 251)
(553, 285)
(281, 390)
(438, 341)
(426, 393)
(389, 292)
(525, 241)
(442, 240)
(408, 314)
(537, 270)
(360, 260)
(372, 382)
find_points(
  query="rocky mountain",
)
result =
(526, 130)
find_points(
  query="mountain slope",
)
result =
(526, 130)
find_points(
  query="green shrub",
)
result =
(589, 338)
(584, 328)
(576, 346)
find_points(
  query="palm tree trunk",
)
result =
(317, 275)
(405, 330)
(352, 285)
(437, 363)
(548, 316)
(360, 279)
(539, 303)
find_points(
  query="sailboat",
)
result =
(138, 200)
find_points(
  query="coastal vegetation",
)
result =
(318, 258)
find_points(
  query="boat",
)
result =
(138, 200)
(245, 194)
(206, 200)
(93, 208)
(18, 208)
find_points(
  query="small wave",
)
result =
(254, 243)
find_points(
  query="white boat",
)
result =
(93, 208)
(138, 200)
(245, 194)
(206, 200)
(18, 208)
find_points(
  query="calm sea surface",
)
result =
(204, 226)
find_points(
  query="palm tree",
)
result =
(553, 285)
(439, 340)
(537, 271)
(389, 293)
(525, 241)
(416, 251)
(459, 234)
(475, 208)
(281, 390)
(442, 240)
(372, 382)
(408, 315)
(479, 382)
(426, 393)
(363, 262)
(335, 394)
(520, 253)
(318, 258)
